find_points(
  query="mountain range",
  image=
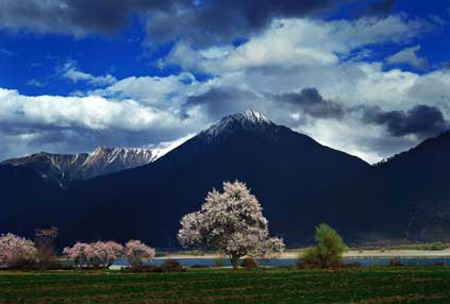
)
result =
(29, 183)
(298, 181)
(64, 169)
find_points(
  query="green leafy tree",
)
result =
(329, 249)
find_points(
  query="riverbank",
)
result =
(350, 254)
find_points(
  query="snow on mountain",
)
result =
(249, 120)
(64, 169)
(107, 160)
(165, 147)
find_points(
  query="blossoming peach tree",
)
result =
(105, 253)
(95, 254)
(15, 249)
(137, 253)
(231, 222)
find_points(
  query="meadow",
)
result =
(274, 285)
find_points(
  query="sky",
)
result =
(371, 78)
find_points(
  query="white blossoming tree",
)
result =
(231, 222)
(95, 254)
(137, 253)
(15, 249)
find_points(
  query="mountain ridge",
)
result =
(65, 169)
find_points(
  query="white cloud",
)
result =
(70, 124)
(91, 112)
(299, 43)
(35, 83)
(161, 92)
(70, 71)
(409, 56)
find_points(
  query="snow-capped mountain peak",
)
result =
(249, 120)
(255, 116)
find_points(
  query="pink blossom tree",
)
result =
(231, 222)
(77, 253)
(104, 253)
(15, 249)
(96, 254)
(137, 253)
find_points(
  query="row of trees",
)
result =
(104, 254)
(230, 221)
(15, 251)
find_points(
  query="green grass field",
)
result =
(363, 285)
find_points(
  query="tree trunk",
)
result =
(235, 262)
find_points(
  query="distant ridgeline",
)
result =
(64, 169)
(299, 182)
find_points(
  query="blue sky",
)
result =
(157, 71)
(28, 56)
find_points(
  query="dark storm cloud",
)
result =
(218, 21)
(75, 16)
(222, 101)
(311, 102)
(206, 21)
(422, 120)
(224, 20)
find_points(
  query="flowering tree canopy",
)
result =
(231, 222)
(14, 249)
(77, 253)
(97, 254)
(137, 253)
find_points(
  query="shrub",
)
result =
(142, 269)
(328, 251)
(172, 266)
(437, 246)
(198, 266)
(249, 262)
(309, 258)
